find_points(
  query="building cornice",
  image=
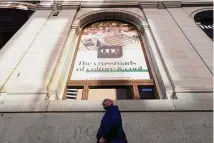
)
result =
(109, 4)
(68, 4)
(115, 4)
(197, 3)
(160, 4)
(62, 5)
(18, 5)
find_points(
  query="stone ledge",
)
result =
(178, 105)
(17, 4)
(193, 105)
(195, 96)
(146, 105)
(197, 3)
(23, 106)
(22, 97)
(78, 105)
(125, 105)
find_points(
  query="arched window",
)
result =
(110, 63)
(10, 22)
(204, 20)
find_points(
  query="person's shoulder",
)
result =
(115, 107)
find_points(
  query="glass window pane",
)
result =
(146, 92)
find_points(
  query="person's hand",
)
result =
(102, 140)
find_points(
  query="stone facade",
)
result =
(181, 59)
(35, 64)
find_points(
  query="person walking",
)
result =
(111, 128)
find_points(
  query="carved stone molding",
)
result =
(197, 3)
(67, 4)
(63, 5)
(161, 4)
(18, 5)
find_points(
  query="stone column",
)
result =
(184, 67)
(14, 50)
(60, 75)
(166, 86)
(37, 67)
(200, 42)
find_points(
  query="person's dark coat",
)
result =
(111, 126)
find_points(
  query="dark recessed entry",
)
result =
(11, 20)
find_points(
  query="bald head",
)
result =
(107, 103)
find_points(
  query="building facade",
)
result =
(145, 55)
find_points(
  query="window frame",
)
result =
(87, 83)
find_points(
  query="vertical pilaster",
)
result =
(14, 50)
(184, 67)
(200, 42)
(167, 84)
(62, 63)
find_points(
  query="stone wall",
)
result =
(140, 127)
(42, 60)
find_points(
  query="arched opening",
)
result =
(110, 62)
(134, 18)
(11, 20)
(204, 20)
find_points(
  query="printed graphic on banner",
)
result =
(110, 50)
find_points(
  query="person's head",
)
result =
(107, 103)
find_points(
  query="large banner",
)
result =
(110, 50)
